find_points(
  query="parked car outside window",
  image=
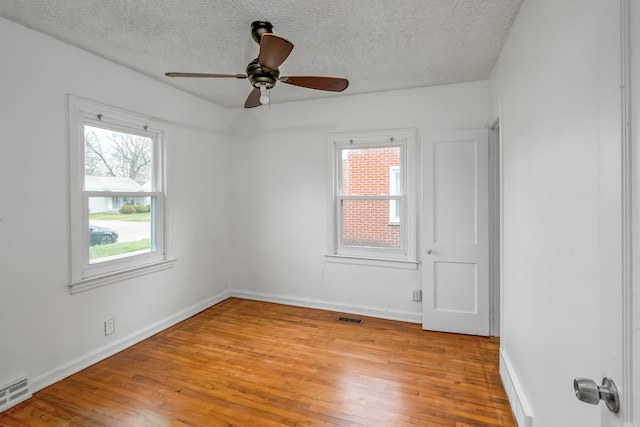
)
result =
(102, 235)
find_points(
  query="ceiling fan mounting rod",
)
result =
(258, 28)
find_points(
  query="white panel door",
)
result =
(455, 241)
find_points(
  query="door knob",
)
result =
(589, 392)
(429, 251)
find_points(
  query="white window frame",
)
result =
(394, 189)
(406, 255)
(86, 275)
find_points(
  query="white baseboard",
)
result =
(325, 305)
(519, 405)
(55, 375)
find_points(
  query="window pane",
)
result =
(394, 211)
(365, 223)
(394, 189)
(120, 227)
(366, 171)
(117, 161)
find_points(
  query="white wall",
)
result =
(281, 176)
(557, 80)
(45, 332)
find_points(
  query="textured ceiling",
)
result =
(378, 45)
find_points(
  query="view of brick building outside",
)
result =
(370, 172)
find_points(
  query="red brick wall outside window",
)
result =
(367, 172)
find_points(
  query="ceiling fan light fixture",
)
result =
(264, 94)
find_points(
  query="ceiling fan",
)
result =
(263, 71)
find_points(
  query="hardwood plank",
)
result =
(250, 363)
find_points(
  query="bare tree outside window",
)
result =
(118, 154)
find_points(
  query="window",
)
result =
(373, 196)
(117, 194)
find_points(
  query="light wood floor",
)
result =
(246, 363)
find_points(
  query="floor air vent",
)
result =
(14, 393)
(349, 320)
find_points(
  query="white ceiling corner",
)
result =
(377, 45)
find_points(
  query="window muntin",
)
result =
(373, 205)
(117, 190)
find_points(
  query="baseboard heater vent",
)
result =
(13, 393)
(349, 320)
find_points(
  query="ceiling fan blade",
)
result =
(333, 84)
(236, 76)
(253, 100)
(273, 51)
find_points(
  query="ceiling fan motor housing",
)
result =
(261, 76)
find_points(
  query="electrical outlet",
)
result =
(109, 326)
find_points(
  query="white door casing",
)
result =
(633, 164)
(615, 215)
(614, 335)
(455, 241)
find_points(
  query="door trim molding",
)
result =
(627, 200)
(495, 229)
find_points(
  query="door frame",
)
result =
(495, 227)
(630, 199)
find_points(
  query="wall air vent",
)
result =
(349, 320)
(13, 393)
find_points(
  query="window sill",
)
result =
(117, 276)
(375, 262)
